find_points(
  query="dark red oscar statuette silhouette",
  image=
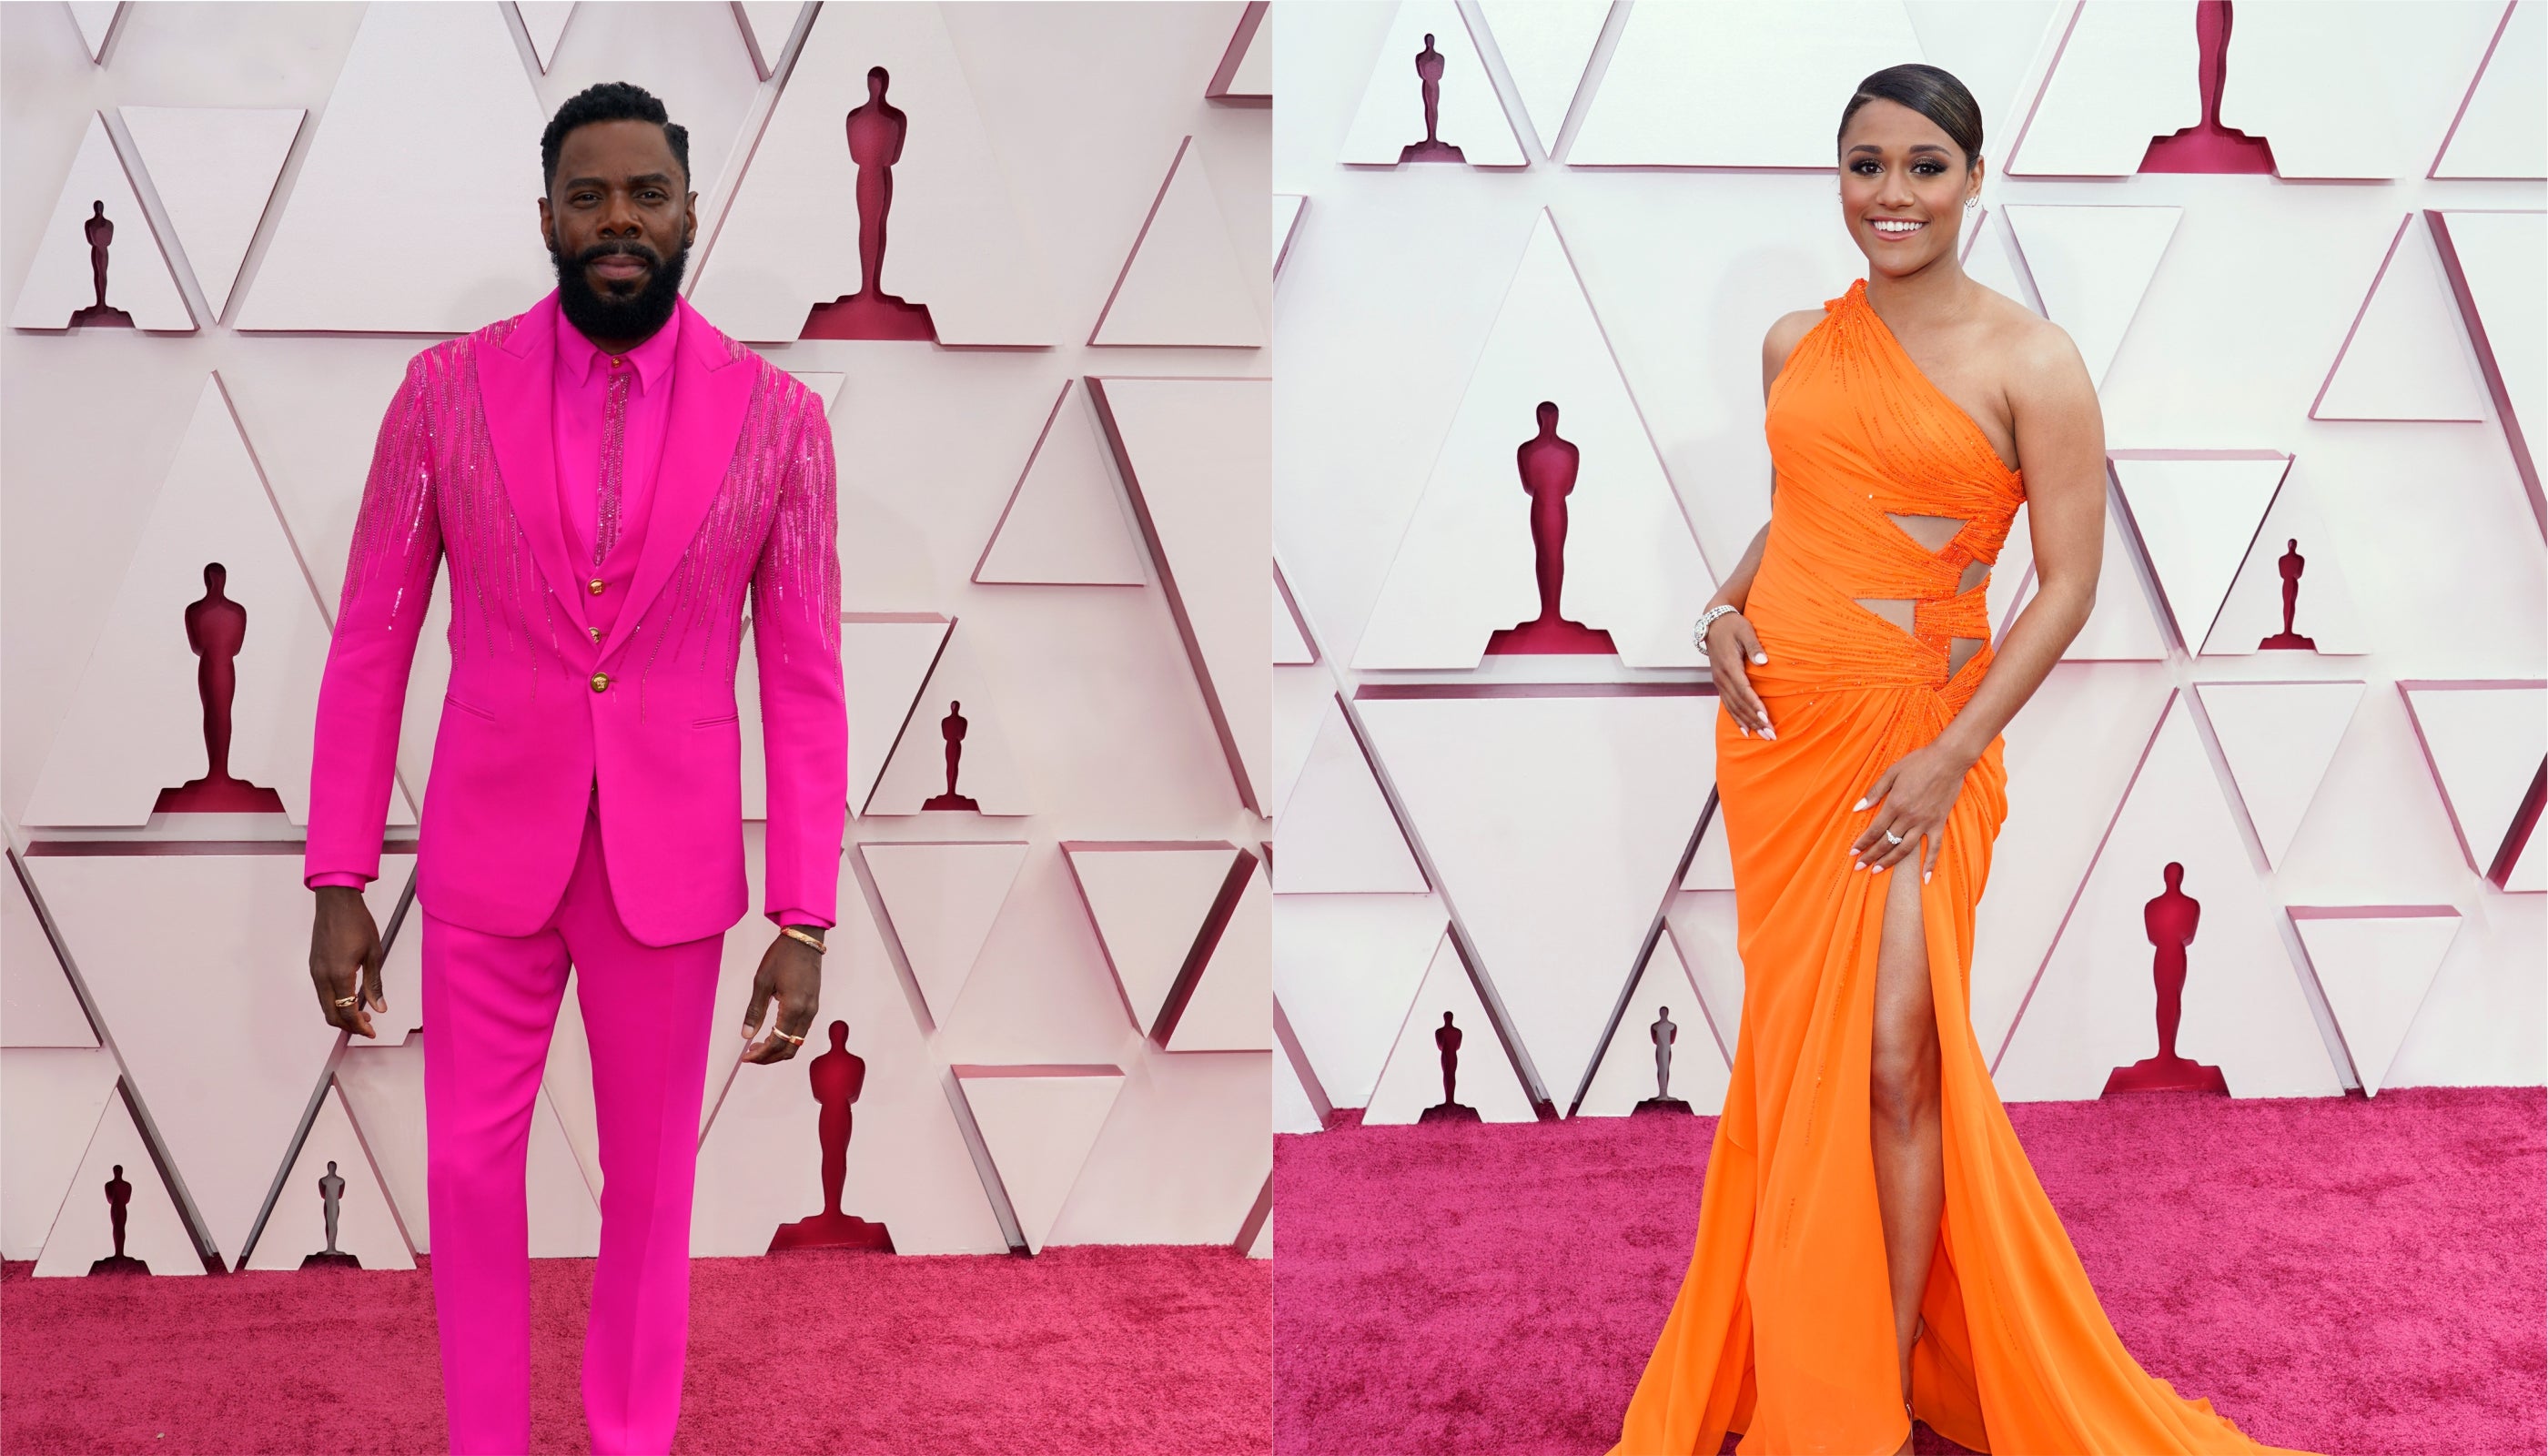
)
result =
(1664, 1032)
(2171, 918)
(118, 1197)
(1549, 464)
(2291, 563)
(2208, 145)
(1447, 1039)
(876, 130)
(1428, 69)
(216, 627)
(331, 1193)
(952, 728)
(100, 231)
(837, 1075)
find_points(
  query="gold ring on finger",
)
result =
(348, 1000)
(800, 1041)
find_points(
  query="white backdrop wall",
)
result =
(1646, 188)
(367, 176)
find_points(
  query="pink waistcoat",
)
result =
(556, 690)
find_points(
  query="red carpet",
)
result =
(1085, 1351)
(2339, 1275)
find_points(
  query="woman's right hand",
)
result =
(1731, 643)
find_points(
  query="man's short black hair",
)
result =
(610, 101)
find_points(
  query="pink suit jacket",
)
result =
(544, 705)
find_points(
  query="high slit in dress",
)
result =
(1783, 1328)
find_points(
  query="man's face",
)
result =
(618, 222)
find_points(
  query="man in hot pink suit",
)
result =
(608, 476)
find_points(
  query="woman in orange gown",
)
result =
(1872, 1245)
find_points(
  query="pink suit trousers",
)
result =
(490, 1005)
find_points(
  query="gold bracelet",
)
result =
(794, 933)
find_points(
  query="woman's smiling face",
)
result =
(1903, 183)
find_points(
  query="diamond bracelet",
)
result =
(1698, 632)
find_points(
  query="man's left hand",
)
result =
(791, 971)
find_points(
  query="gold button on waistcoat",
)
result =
(601, 680)
(596, 631)
(593, 586)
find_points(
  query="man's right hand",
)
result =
(345, 960)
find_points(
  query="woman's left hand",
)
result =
(1911, 800)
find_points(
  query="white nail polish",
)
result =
(1759, 657)
(1861, 805)
(1769, 734)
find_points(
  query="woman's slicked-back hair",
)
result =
(1933, 93)
(610, 101)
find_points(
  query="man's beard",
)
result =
(637, 315)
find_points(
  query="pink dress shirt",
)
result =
(606, 434)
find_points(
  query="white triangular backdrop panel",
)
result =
(2126, 74)
(199, 966)
(1464, 567)
(136, 723)
(1546, 48)
(453, 61)
(2325, 608)
(1038, 1122)
(1557, 824)
(62, 279)
(2279, 738)
(2404, 357)
(909, 1166)
(1468, 115)
(1627, 1074)
(50, 1100)
(38, 1006)
(366, 1225)
(1727, 85)
(2095, 1008)
(215, 169)
(955, 245)
(84, 1232)
(2497, 131)
(1183, 284)
(1064, 524)
(1482, 1077)
(2376, 968)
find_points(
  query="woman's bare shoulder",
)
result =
(2026, 341)
(1789, 329)
(1785, 333)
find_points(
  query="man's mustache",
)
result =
(638, 250)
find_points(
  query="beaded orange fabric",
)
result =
(1855, 430)
(1783, 1326)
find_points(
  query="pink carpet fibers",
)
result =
(2339, 1275)
(1083, 1351)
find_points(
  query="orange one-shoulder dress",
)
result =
(1783, 1326)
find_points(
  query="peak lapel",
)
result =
(711, 390)
(514, 392)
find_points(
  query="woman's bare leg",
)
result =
(1903, 1076)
